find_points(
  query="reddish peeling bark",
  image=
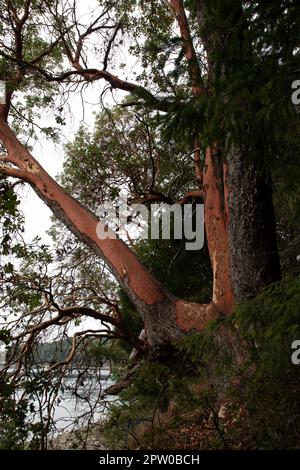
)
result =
(232, 245)
(192, 317)
(216, 216)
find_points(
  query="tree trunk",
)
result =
(254, 259)
(248, 206)
(214, 185)
(239, 222)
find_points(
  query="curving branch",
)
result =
(93, 74)
(110, 44)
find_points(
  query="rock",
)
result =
(222, 412)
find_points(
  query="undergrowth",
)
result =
(204, 396)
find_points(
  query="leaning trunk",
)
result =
(165, 317)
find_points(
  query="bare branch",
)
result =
(110, 44)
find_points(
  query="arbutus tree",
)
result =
(221, 49)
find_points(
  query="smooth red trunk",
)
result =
(216, 218)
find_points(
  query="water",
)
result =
(70, 407)
(73, 408)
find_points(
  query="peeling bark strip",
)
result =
(216, 231)
(192, 317)
(122, 261)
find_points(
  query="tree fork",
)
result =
(166, 318)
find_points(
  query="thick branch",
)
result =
(109, 46)
(118, 387)
(135, 279)
(92, 74)
(14, 173)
